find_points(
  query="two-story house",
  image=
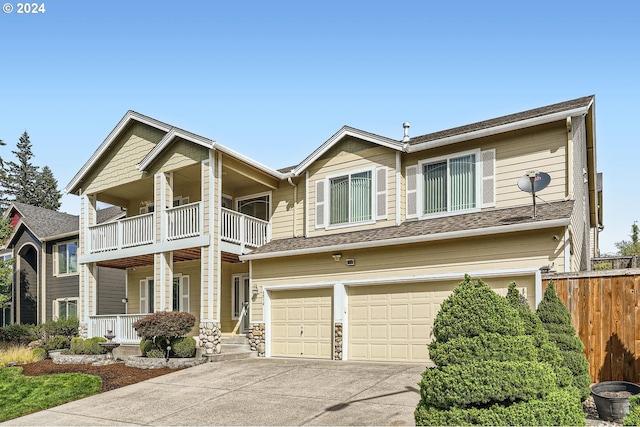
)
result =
(349, 254)
(43, 245)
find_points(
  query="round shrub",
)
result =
(92, 345)
(57, 342)
(183, 347)
(155, 353)
(146, 345)
(633, 416)
(77, 345)
(481, 383)
(39, 353)
(169, 324)
(474, 309)
(490, 346)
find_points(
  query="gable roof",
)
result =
(44, 223)
(172, 133)
(451, 227)
(536, 116)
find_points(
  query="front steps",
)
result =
(234, 347)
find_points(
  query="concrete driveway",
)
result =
(254, 392)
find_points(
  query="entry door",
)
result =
(241, 301)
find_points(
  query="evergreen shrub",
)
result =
(183, 347)
(155, 353)
(633, 416)
(92, 345)
(145, 346)
(491, 372)
(39, 353)
(57, 342)
(556, 319)
(17, 334)
(77, 345)
(164, 326)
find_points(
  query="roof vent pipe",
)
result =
(406, 125)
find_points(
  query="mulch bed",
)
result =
(113, 376)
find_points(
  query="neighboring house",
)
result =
(349, 254)
(44, 245)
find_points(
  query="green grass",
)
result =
(22, 395)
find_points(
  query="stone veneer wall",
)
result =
(210, 337)
(257, 338)
(337, 341)
(83, 330)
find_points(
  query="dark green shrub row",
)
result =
(480, 383)
(490, 346)
(17, 334)
(559, 408)
(474, 309)
(88, 346)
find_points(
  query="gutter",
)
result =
(414, 239)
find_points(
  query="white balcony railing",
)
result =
(120, 324)
(244, 230)
(182, 222)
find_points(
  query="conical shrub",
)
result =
(488, 372)
(556, 319)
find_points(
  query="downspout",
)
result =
(295, 198)
(43, 281)
(306, 204)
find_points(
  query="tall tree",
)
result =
(20, 177)
(47, 193)
(4, 201)
(630, 247)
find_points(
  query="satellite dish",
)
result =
(540, 181)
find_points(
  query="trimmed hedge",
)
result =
(481, 383)
(559, 408)
(166, 324)
(474, 309)
(490, 346)
(183, 347)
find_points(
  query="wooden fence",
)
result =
(605, 312)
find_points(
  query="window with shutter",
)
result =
(381, 193)
(489, 178)
(412, 191)
(320, 204)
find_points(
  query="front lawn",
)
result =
(22, 395)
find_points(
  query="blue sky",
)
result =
(275, 79)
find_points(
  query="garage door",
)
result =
(301, 323)
(393, 323)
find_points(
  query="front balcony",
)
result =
(240, 232)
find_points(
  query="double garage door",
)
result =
(385, 323)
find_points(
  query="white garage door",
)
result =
(393, 323)
(301, 323)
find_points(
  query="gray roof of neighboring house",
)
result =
(466, 222)
(46, 223)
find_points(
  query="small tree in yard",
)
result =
(162, 327)
(556, 319)
(487, 368)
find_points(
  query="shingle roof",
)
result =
(46, 222)
(511, 118)
(466, 222)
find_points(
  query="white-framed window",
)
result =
(226, 201)
(147, 295)
(256, 205)
(180, 293)
(64, 308)
(177, 201)
(358, 197)
(458, 183)
(65, 258)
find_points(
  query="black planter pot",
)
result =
(613, 408)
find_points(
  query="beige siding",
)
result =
(348, 156)
(118, 164)
(182, 154)
(530, 250)
(133, 287)
(282, 213)
(191, 269)
(580, 236)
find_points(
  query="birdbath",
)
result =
(109, 345)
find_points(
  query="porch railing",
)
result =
(120, 324)
(184, 221)
(244, 230)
